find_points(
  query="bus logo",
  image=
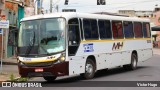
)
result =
(117, 46)
(27, 59)
(88, 47)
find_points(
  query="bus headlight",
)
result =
(62, 58)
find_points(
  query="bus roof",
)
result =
(68, 15)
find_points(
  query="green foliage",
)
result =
(21, 79)
(12, 77)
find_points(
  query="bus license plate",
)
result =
(39, 70)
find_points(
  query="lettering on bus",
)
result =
(117, 46)
(27, 59)
(88, 47)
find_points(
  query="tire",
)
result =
(50, 78)
(89, 69)
(133, 65)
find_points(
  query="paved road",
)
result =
(146, 71)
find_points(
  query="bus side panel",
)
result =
(144, 54)
(76, 65)
(103, 61)
(110, 60)
(149, 53)
(126, 57)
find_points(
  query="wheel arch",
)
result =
(92, 57)
(136, 53)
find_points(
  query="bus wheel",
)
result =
(89, 69)
(133, 65)
(49, 78)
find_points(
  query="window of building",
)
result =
(128, 29)
(146, 30)
(138, 29)
(117, 29)
(105, 29)
(90, 29)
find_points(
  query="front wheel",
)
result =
(89, 69)
(133, 65)
(50, 78)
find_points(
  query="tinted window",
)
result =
(146, 30)
(73, 21)
(128, 29)
(104, 29)
(138, 29)
(117, 29)
(90, 29)
(73, 31)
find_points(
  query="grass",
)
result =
(21, 79)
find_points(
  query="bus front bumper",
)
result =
(59, 69)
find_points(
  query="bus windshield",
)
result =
(41, 37)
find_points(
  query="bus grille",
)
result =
(42, 64)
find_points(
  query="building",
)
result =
(144, 14)
(108, 13)
(133, 13)
(14, 11)
(2, 16)
(130, 13)
(156, 27)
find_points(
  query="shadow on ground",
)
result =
(78, 79)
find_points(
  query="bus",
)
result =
(72, 43)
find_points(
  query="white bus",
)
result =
(61, 44)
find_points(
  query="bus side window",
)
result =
(128, 29)
(90, 29)
(138, 30)
(104, 29)
(146, 30)
(117, 29)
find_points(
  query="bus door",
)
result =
(74, 36)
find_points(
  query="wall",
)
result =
(2, 12)
(12, 12)
(157, 23)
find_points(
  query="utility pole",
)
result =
(50, 6)
(38, 6)
(57, 8)
(41, 6)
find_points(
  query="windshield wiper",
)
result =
(30, 45)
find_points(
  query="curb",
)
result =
(9, 63)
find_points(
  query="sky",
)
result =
(90, 6)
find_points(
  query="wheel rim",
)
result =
(134, 63)
(89, 68)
